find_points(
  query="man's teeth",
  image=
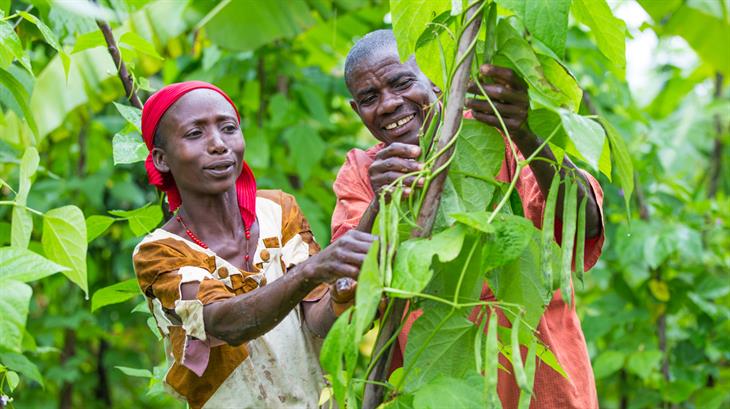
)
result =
(399, 123)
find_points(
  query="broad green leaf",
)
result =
(50, 38)
(410, 19)
(477, 160)
(139, 44)
(570, 209)
(521, 281)
(339, 350)
(131, 114)
(89, 40)
(129, 148)
(608, 362)
(21, 228)
(475, 220)
(64, 241)
(11, 48)
(609, 31)
(412, 271)
(622, 159)
(548, 233)
(438, 343)
(643, 363)
(306, 147)
(115, 294)
(96, 226)
(137, 373)
(586, 134)
(142, 220)
(547, 20)
(236, 25)
(369, 291)
(512, 234)
(559, 76)
(14, 300)
(21, 264)
(450, 392)
(21, 98)
(23, 365)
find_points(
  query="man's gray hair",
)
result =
(372, 42)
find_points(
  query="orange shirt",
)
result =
(559, 327)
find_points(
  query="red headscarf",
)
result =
(153, 111)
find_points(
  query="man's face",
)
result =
(391, 98)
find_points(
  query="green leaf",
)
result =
(22, 220)
(21, 227)
(547, 20)
(511, 237)
(438, 343)
(369, 291)
(559, 76)
(338, 352)
(607, 363)
(410, 19)
(24, 265)
(23, 365)
(89, 40)
(50, 38)
(609, 31)
(137, 373)
(11, 48)
(643, 363)
(131, 114)
(521, 281)
(236, 25)
(115, 294)
(128, 148)
(477, 160)
(139, 44)
(475, 220)
(142, 220)
(64, 241)
(622, 159)
(13, 380)
(21, 97)
(14, 300)
(412, 271)
(450, 392)
(307, 148)
(96, 226)
(570, 208)
(586, 134)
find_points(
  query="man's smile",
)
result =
(399, 123)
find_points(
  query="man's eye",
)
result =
(404, 84)
(367, 100)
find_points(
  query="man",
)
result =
(390, 98)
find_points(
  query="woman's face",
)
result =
(202, 143)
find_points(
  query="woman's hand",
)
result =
(342, 258)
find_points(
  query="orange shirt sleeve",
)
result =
(353, 190)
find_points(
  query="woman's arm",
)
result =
(248, 316)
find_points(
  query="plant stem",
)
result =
(12, 203)
(122, 71)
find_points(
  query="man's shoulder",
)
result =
(357, 158)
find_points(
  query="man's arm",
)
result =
(510, 98)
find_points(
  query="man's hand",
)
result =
(508, 93)
(342, 258)
(392, 162)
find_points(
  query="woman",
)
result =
(225, 276)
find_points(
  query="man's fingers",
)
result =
(504, 109)
(489, 119)
(502, 75)
(401, 150)
(395, 164)
(500, 93)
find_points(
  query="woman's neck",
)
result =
(212, 215)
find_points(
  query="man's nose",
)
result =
(391, 102)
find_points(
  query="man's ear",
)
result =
(353, 105)
(435, 89)
(159, 160)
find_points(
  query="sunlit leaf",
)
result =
(21, 97)
(24, 265)
(369, 290)
(96, 226)
(115, 294)
(50, 38)
(23, 365)
(135, 372)
(14, 299)
(142, 220)
(139, 44)
(587, 135)
(548, 21)
(64, 242)
(128, 148)
(608, 30)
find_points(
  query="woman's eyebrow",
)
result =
(205, 120)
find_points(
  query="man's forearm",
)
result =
(542, 168)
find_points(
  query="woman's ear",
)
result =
(159, 160)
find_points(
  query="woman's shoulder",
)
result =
(281, 198)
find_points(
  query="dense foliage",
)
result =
(655, 310)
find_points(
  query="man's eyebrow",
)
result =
(393, 77)
(365, 91)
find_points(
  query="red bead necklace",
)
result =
(200, 243)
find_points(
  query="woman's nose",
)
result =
(216, 143)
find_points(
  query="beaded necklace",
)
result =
(202, 244)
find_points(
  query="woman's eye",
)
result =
(230, 128)
(193, 134)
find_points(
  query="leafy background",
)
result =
(655, 310)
